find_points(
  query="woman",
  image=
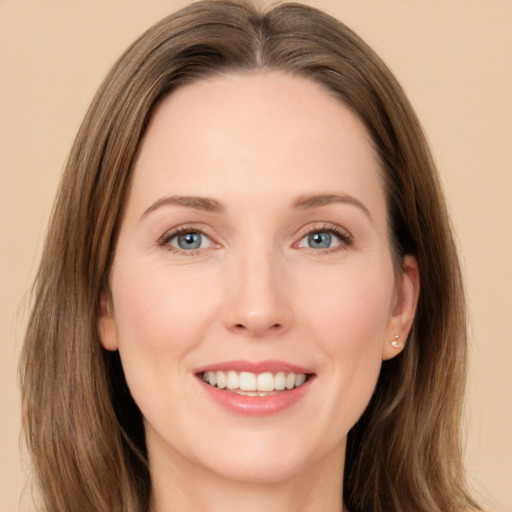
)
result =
(249, 224)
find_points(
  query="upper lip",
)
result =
(272, 366)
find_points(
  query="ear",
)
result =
(106, 324)
(403, 308)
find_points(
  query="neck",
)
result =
(181, 486)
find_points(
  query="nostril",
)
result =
(240, 327)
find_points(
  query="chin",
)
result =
(266, 459)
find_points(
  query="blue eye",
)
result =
(324, 239)
(189, 241)
(320, 240)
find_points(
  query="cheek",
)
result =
(161, 320)
(349, 323)
(350, 308)
(156, 310)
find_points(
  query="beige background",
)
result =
(454, 58)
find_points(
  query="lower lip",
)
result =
(257, 405)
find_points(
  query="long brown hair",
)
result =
(82, 427)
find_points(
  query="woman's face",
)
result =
(254, 254)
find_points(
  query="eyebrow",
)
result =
(204, 204)
(304, 202)
(317, 200)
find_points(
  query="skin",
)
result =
(257, 144)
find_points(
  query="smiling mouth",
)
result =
(254, 384)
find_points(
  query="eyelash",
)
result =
(344, 237)
(346, 240)
(182, 230)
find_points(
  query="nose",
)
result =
(258, 302)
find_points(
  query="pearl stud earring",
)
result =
(395, 341)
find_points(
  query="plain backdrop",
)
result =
(454, 59)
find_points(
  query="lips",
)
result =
(255, 389)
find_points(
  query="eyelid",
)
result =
(345, 237)
(164, 240)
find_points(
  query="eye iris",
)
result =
(319, 240)
(189, 241)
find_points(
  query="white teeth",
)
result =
(247, 381)
(247, 393)
(232, 380)
(300, 379)
(280, 381)
(290, 381)
(254, 393)
(252, 384)
(212, 377)
(221, 380)
(265, 382)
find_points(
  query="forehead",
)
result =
(255, 134)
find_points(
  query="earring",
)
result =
(395, 341)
